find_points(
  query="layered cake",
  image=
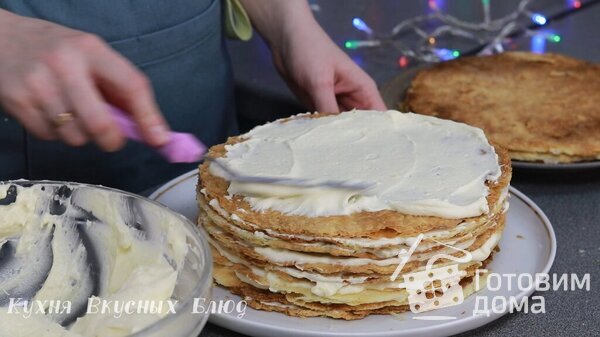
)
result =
(334, 215)
(540, 108)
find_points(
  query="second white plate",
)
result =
(528, 246)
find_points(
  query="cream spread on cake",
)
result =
(327, 287)
(414, 164)
(68, 244)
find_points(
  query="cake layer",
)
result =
(380, 224)
(359, 247)
(293, 304)
(399, 162)
(439, 203)
(480, 247)
(551, 120)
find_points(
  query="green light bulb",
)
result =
(351, 44)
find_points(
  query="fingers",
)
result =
(51, 103)
(323, 95)
(128, 88)
(356, 89)
(18, 102)
(362, 97)
(354, 92)
(373, 96)
(302, 96)
(91, 113)
(86, 102)
(347, 94)
(71, 63)
(35, 122)
(349, 87)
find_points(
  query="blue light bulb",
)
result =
(446, 54)
(538, 44)
(539, 19)
(361, 25)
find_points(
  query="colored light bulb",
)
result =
(446, 54)
(359, 24)
(351, 44)
(539, 19)
(403, 61)
(538, 43)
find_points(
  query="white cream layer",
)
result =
(328, 286)
(281, 256)
(384, 247)
(417, 165)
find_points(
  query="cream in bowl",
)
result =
(82, 260)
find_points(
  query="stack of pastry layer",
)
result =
(338, 202)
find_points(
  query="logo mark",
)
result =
(432, 288)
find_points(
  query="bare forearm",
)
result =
(276, 20)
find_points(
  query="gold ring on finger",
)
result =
(62, 118)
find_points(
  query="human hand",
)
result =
(321, 75)
(49, 73)
(318, 72)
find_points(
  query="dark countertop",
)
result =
(570, 199)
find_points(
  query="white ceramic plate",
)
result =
(566, 166)
(528, 246)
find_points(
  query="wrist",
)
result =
(278, 21)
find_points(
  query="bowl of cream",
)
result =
(82, 260)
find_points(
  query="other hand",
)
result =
(56, 82)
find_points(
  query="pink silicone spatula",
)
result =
(181, 148)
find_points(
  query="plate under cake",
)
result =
(541, 108)
(338, 266)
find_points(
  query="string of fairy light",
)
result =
(491, 33)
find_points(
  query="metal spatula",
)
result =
(295, 182)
